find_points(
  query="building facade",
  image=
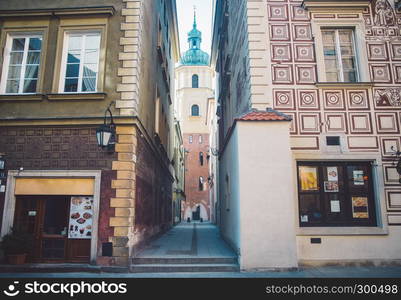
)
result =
(64, 64)
(309, 95)
(194, 83)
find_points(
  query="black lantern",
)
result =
(105, 134)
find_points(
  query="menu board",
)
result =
(81, 214)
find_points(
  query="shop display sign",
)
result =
(335, 206)
(81, 213)
(360, 208)
(332, 174)
(358, 177)
(308, 177)
(331, 186)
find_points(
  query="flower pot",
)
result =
(16, 259)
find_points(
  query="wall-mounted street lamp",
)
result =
(397, 161)
(214, 151)
(106, 133)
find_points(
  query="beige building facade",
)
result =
(326, 78)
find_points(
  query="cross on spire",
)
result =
(194, 16)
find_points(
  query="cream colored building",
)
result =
(309, 95)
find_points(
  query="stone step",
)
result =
(179, 268)
(184, 260)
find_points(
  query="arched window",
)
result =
(195, 110)
(195, 81)
(201, 158)
(190, 139)
(200, 183)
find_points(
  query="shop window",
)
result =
(80, 62)
(336, 194)
(195, 110)
(21, 64)
(195, 81)
(339, 55)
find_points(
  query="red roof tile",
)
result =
(268, 115)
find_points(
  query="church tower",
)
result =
(194, 83)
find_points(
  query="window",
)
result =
(80, 62)
(201, 158)
(195, 81)
(195, 110)
(200, 183)
(336, 194)
(190, 139)
(200, 139)
(339, 55)
(21, 64)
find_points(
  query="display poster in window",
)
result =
(308, 178)
(332, 174)
(360, 208)
(335, 206)
(304, 218)
(81, 213)
(358, 177)
(331, 186)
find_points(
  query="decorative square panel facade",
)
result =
(308, 99)
(294, 124)
(283, 99)
(393, 197)
(377, 51)
(389, 145)
(335, 122)
(301, 32)
(333, 100)
(360, 123)
(309, 123)
(281, 52)
(278, 13)
(357, 100)
(397, 73)
(279, 32)
(282, 74)
(380, 73)
(306, 74)
(298, 13)
(387, 122)
(391, 177)
(395, 51)
(304, 53)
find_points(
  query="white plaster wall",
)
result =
(266, 193)
(230, 219)
(343, 248)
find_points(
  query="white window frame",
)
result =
(6, 63)
(338, 51)
(361, 56)
(64, 57)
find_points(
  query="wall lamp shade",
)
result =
(105, 134)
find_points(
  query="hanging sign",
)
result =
(81, 213)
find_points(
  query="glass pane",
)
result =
(331, 64)
(332, 77)
(53, 248)
(16, 58)
(349, 76)
(75, 43)
(347, 50)
(330, 51)
(310, 209)
(90, 70)
(92, 41)
(31, 71)
(30, 86)
(71, 85)
(35, 43)
(33, 58)
(72, 70)
(12, 86)
(14, 72)
(74, 57)
(56, 215)
(345, 36)
(328, 37)
(18, 44)
(89, 84)
(335, 208)
(91, 57)
(308, 178)
(348, 63)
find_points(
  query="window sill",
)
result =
(21, 97)
(344, 84)
(341, 231)
(76, 96)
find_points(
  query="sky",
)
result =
(185, 13)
